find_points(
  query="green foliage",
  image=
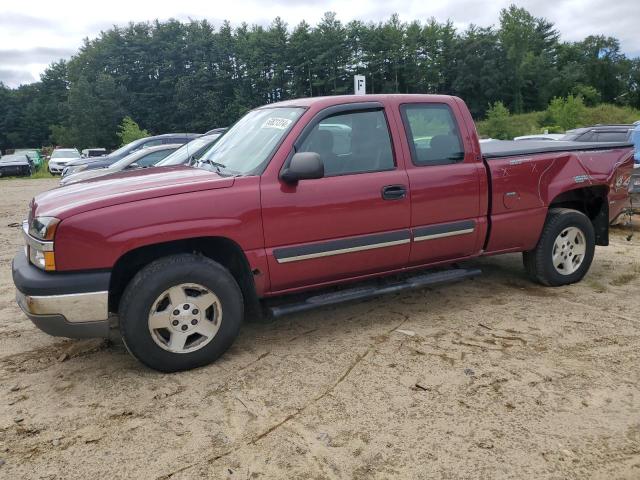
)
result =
(498, 123)
(539, 122)
(589, 94)
(174, 76)
(567, 112)
(129, 130)
(607, 113)
(61, 136)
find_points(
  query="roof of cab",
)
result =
(340, 99)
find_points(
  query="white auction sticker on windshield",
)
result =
(279, 123)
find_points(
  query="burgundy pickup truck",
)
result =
(307, 203)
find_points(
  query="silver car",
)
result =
(144, 158)
(60, 157)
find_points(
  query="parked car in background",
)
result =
(147, 157)
(540, 136)
(93, 152)
(16, 165)
(60, 157)
(600, 133)
(113, 157)
(34, 154)
(190, 152)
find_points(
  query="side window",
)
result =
(354, 142)
(152, 143)
(589, 136)
(153, 158)
(612, 136)
(432, 133)
(177, 140)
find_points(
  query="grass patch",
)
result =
(596, 285)
(624, 279)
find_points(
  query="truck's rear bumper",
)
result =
(74, 305)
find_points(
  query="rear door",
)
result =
(447, 220)
(355, 220)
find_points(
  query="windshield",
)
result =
(192, 149)
(125, 148)
(65, 154)
(144, 158)
(251, 141)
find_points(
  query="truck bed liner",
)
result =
(510, 148)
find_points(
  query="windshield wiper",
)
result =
(218, 166)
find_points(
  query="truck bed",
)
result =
(510, 148)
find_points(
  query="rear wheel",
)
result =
(180, 312)
(565, 250)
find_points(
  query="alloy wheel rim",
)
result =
(185, 318)
(569, 250)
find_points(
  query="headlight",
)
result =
(39, 235)
(43, 228)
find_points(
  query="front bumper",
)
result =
(56, 167)
(15, 170)
(74, 305)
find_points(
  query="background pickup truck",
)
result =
(303, 196)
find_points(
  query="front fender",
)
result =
(97, 238)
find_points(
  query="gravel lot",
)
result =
(492, 378)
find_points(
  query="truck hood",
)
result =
(125, 187)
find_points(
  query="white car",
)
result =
(60, 157)
(540, 136)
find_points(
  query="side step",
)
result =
(369, 291)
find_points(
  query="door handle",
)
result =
(394, 192)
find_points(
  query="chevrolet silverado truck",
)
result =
(306, 203)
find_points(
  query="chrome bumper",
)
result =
(81, 315)
(78, 307)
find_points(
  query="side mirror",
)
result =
(303, 166)
(133, 165)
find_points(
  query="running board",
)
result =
(360, 293)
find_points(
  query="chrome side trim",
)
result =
(341, 251)
(34, 242)
(442, 235)
(75, 308)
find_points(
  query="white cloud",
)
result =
(60, 27)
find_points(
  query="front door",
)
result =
(354, 221)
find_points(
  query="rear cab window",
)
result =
(432, 133)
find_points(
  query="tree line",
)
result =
(174, 76)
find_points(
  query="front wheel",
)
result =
(180, 312)
(565, 250)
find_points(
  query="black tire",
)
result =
(538, 262)
(160, 275)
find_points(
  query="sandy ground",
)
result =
(487, 379)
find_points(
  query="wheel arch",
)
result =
(220, 249)
(593, 202)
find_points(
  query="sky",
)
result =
(35, 33)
